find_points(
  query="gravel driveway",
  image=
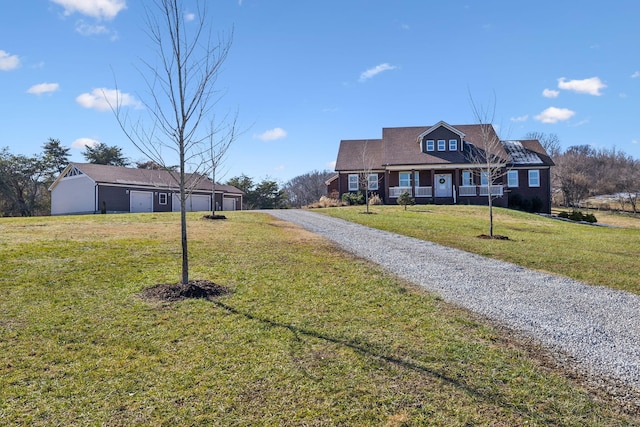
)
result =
(597, 326)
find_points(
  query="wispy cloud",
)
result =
(99, 9)
(550, 93)
(271, 135)
(520, 119)
(189, 17)
(8, 62)
(103, 99)
(372, 72)
(82, 143)
(635, 75)
(555, 115)
(591, 86)
(42, 88)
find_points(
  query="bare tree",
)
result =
(489, 154)
(220, 139)
(307, 188)
(368, 170)
(182, 92)
(550, 142)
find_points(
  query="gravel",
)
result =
(596, 327)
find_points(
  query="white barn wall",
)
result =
(72, 195)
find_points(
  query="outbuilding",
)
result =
(86, 188)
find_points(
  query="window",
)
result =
(453, 145)
(405, 179)
(467, 178)
(373, 181)
(353, 182)
(430, 145)
(416, 178)
(162, 198)
(512, 178)
(534, 178)
(442, 145)
(484, 178)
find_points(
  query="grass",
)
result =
(309, 336)
(596, 255)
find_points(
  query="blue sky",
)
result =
(305, 74)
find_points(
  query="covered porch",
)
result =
(445, 186)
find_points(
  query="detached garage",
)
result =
(84, 188)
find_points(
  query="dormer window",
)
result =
(442, 145)
(430, 145)
(453, 145)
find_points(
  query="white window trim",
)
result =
(511, 181)
(372, 184)
(442, 145)
(400, 180)
(484, 178)
(470, 181)
(431, 145)
(353, 184)
(416, 178)
(160, 197)
(453, 145)
(536, 173)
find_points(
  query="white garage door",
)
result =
(141, 201)
(229, 204)
(194, 202)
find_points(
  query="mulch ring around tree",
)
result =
(214, 217)
(203, 289)
(495, 237)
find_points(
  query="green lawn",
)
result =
(596, 255)
(308, 336)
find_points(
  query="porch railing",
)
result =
(468, 190)
(496, 190)
(397, 191)
(420, 191)
(423, 192)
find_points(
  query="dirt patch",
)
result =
(494, 237)
(180, 291)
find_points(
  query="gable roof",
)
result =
(350, 155)
(401, 146)
(150, 178)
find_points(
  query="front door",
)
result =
(443, 185)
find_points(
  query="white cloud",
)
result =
(590, 86)
(555, 115)
(635, 75)
(634, 141)
(331, 165)
(189, 17)
(371, 72)
(103, 99)
(279, 168)
(41, 88)
(520, 119)
(8, 62)
(99, 9)
(271, 135)
(82, 143)
(90, 29)
(550, 93)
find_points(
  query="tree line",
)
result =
(25, 180)
(582, 172)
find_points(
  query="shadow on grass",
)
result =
(493, 398)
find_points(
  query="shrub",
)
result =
(353, 198)
(326, 202)
(375, 200)
(406, 199)
(578, 216)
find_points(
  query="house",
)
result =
(90, 188)
(446, 164)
